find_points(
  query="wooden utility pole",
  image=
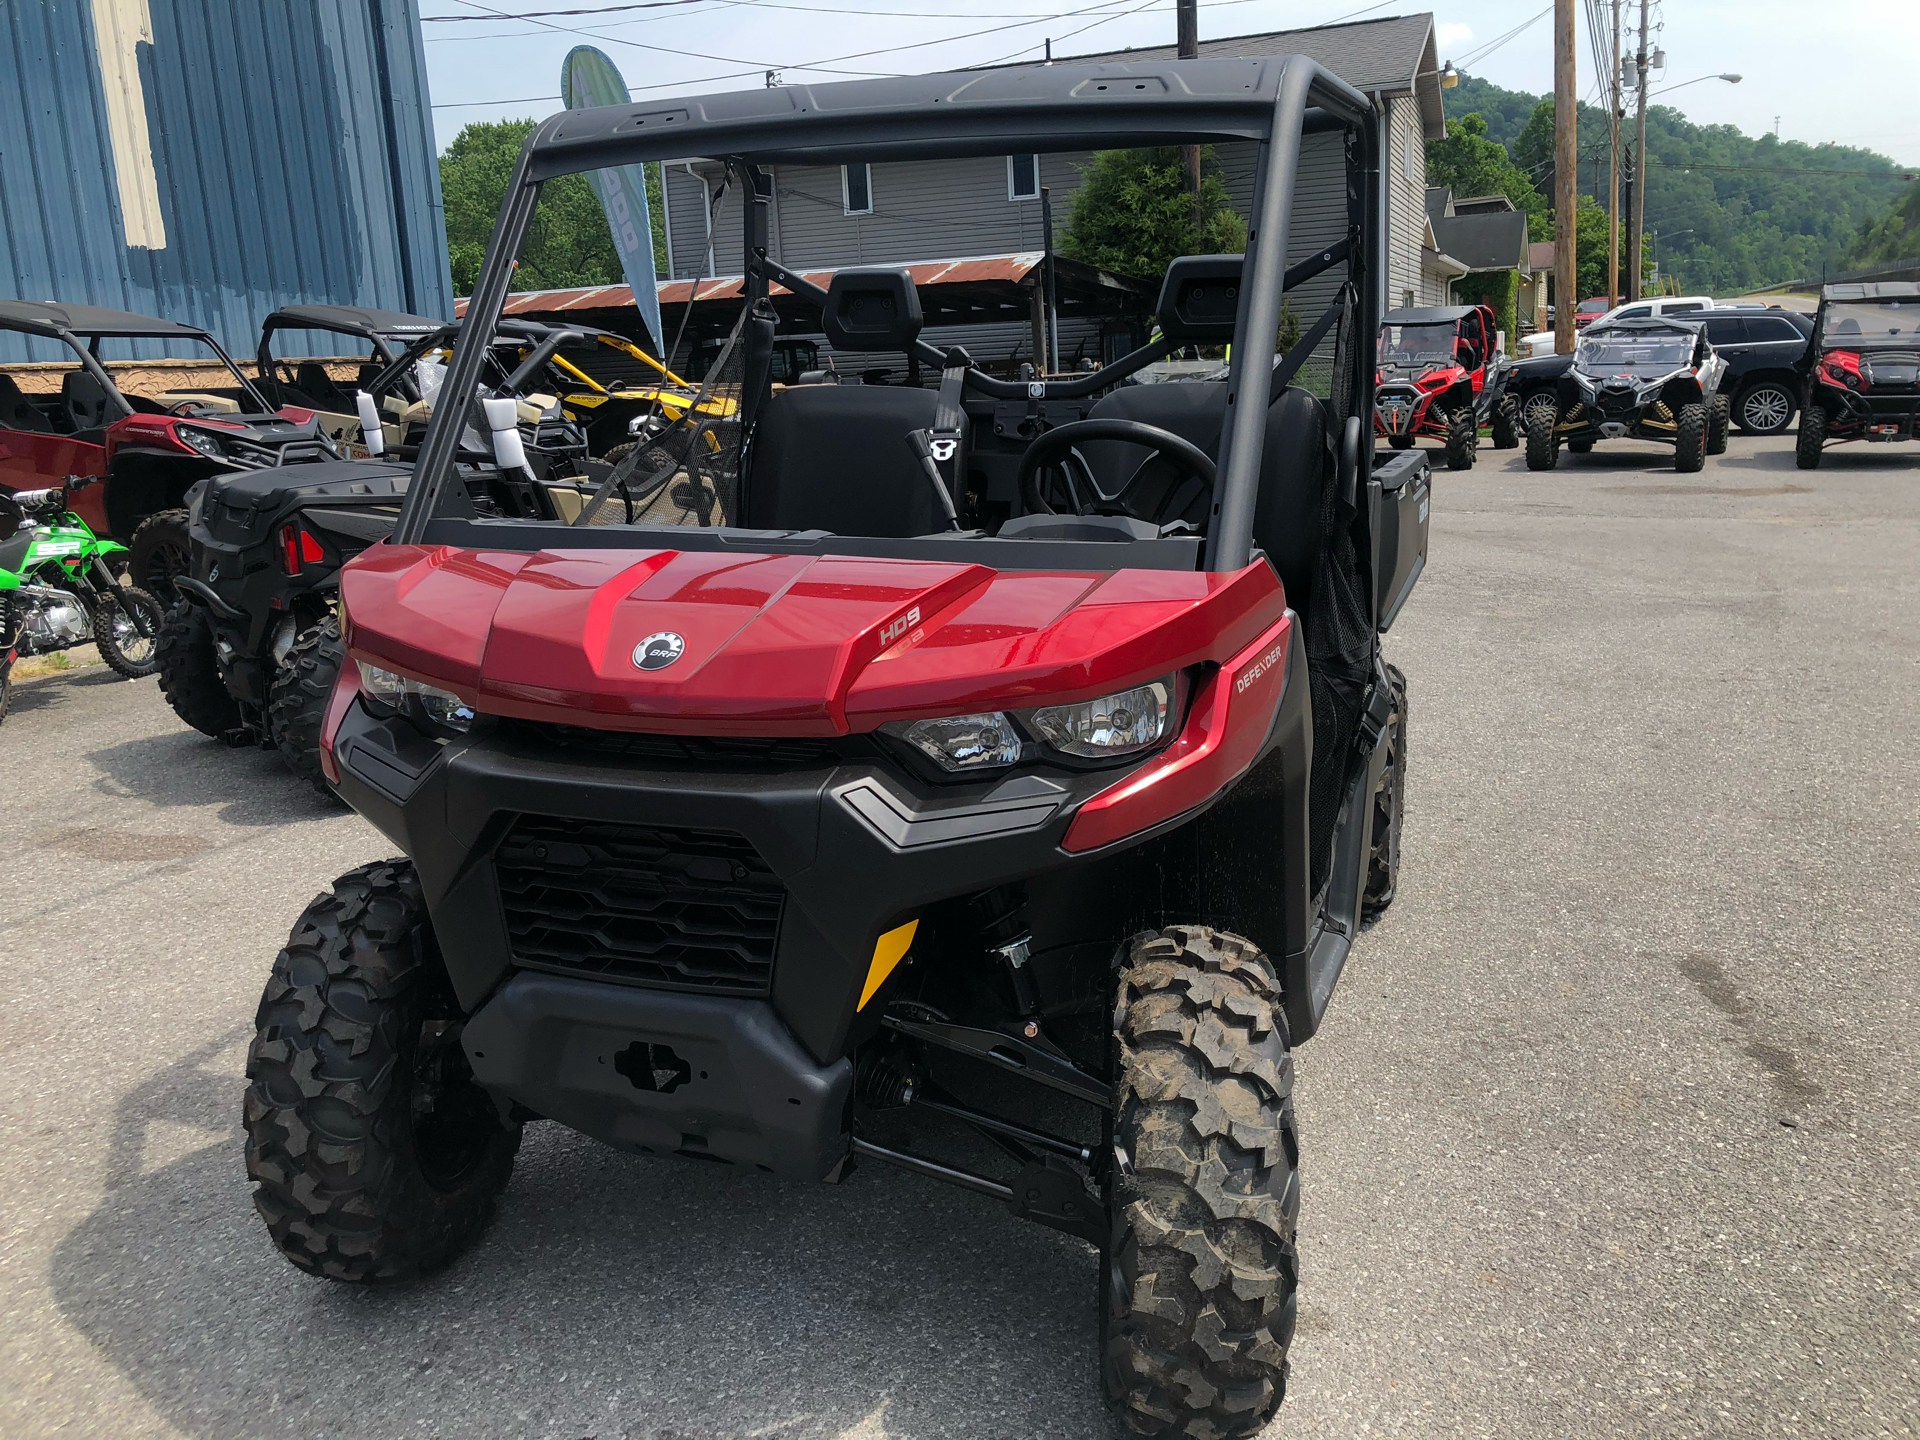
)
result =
(1186, 15)
(1638, 219)
(1566, 177)
(1614, 114)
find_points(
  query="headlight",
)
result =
(402, 693)
(195, 438)
(1123, 723)
(961, 743)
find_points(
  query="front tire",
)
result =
(1811, 443)
(116, 633)
(1461, 436)
(1543, 446)
(1506, 424)
(1719, 412)
(297, 699)
(190, 673)
(374, 1153)
(160, 550)
(1690, 439)
(1200, 1302)
(1389, 805)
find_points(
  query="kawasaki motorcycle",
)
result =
(57, 589)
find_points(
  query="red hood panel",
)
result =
(781, 644)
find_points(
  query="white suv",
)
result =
(1541, 342)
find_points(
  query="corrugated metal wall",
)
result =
(209, 160)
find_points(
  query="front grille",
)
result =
(647, 904)
(746, 751)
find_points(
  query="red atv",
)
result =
(1442, 375)
(149, 451)
(1011, 761)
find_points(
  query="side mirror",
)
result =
(872, 308)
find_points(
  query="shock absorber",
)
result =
(1002, 912)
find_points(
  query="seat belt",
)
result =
(947, 439)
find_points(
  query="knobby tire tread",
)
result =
(1202, 1269)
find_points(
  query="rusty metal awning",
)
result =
(981, 289)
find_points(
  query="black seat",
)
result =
(19, 413)
(1295, 466)
(835, 458)
(86, 401)
(311, 377)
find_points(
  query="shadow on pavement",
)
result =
(613, 1296)
(50, 692)
(183, 767)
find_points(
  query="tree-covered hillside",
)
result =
(1733, 213)
(1896, 235)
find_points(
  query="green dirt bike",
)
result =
(57, 589)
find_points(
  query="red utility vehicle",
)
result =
(1861, 368)
(149, 451)
(1443, 375)
(1017, 759)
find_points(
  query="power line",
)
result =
(1485, 50)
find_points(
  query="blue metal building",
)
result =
(209, 160)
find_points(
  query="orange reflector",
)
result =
(888, 951)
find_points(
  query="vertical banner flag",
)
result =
(588, 78)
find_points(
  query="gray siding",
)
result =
(1406, 206)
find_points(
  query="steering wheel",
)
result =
(1058, 445)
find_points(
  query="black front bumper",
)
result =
(663, 1073)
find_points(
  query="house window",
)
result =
(1023, 177)
(856, 189)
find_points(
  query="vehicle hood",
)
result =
(781, 644)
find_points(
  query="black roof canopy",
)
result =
(1428, 315)
(363, 320)
(913, 117)
(52, 319)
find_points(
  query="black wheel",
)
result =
(190, 673)
(1461, 436)
(1400, 442)
(1811, 442)
(160, 549)
(6, 687)
(1389, 805)
(1690, 439)
(1719, 411)
(1506, 424)
(129, 639)
(1765, 408)
(1543, 446)
(297, 699)
(1541, 400)
(374, 1154)
(1198, 1309)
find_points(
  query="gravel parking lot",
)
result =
(1612, 1130)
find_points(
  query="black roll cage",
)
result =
(89, 356)
(1272, 100)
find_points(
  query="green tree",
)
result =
(1895, 235)
(1734, 212)
(1132, 213)
(568, 242)
(1474, 165)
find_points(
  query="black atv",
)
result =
(1651, 379)
(250, 653)
(994, 790)
(1862, 369)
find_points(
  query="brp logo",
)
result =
(658, 650)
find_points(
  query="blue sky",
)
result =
(1852, 78)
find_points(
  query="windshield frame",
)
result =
(1682, 344)
(1271, 100)
(1451, 329)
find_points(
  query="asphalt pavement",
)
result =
(1612, 1129)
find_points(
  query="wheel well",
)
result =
(1779, 377)
(138, 485)
(1681, 392)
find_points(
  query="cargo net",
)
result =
(687, 471)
